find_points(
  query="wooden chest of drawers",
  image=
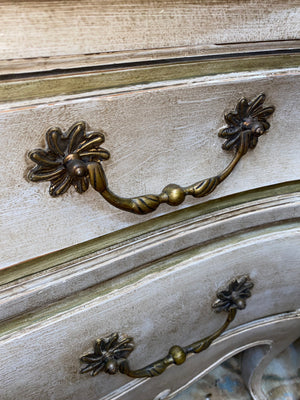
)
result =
(155, 79)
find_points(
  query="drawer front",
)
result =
(163, 304)
(155, 136)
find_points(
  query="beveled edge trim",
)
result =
(116, 240)
(38, 89)
(134, 259)
(63, 307)
(44, 64)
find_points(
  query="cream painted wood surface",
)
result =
(156, 136)
(212, 228)
(166, 303)
(36, 29)
(158, 77)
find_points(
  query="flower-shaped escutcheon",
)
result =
(64, 162)
(247, 122)
(108, 352)
(234, 296)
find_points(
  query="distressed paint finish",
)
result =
(152, 277)
(41, 28)
(35, 90)
(75, 158)
(96, 60)
(152, 304)
(145, 145)
(207, 231)
(259, 198)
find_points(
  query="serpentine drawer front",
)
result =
(161, 304)
(150, 176)
(155, 137)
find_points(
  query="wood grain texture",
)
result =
(155, 137)
(47, 28)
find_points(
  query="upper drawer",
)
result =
(157, 134)
(53, 34)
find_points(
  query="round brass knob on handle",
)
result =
(75, 158)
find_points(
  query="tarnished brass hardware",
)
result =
(110, 353)
(75, 158)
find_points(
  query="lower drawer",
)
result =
(163, 303)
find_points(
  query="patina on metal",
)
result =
(75, 158)
(111, 353)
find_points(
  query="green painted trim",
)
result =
(74, 84)
(114, 239)
(115, 285)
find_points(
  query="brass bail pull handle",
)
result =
(75, 158)
(110, 353)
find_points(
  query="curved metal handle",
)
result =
(75, 158)
(110, 353)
